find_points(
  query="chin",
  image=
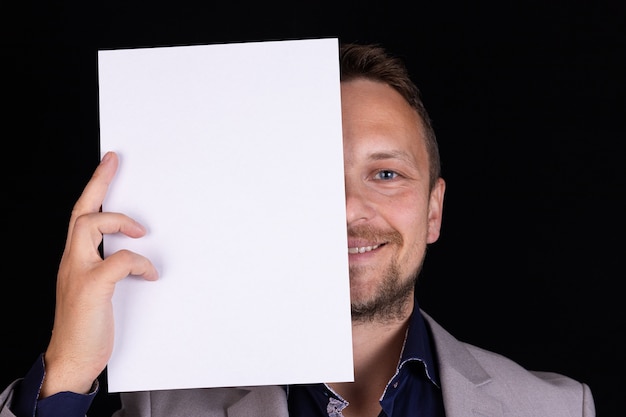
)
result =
(361, 293)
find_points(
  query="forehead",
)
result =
(377, 119)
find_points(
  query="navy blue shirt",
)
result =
(414, 390)
(66, 404)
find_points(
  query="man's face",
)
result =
(391, 215)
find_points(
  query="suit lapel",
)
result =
(462, 377)
(261, 401)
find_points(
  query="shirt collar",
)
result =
(418, 347)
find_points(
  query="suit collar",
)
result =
(462, 377)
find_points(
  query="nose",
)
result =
(358, 206)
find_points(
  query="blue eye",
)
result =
(385, 175)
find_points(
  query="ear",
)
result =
(435, 210)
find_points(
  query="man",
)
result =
(405, 363)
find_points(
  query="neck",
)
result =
(377, 346)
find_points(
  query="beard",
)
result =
(394, 292)
(390, 301)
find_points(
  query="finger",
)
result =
(97, 187)
(94, 192)
(123, 263)
(88, 230)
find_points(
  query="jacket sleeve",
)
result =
(21, 398)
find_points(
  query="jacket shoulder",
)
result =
(471, 374)
(541, 389)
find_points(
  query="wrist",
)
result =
(63, 376)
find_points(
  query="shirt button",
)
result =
(395, 385)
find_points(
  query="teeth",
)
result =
(362, 249)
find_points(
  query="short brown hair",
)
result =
(375, 63)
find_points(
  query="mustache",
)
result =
(374, 235)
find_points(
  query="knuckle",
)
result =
(125, 256)
(82, 220)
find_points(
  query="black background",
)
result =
(528, 101)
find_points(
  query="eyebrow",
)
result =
(379, 156)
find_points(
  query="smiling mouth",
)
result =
(363, 249)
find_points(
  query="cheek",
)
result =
(411, 221)
(416, 235)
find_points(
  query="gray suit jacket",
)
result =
(479, 383)
(475, 383)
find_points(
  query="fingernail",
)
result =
(106, 157)
(141, 226)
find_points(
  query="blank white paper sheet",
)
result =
(231, 155)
